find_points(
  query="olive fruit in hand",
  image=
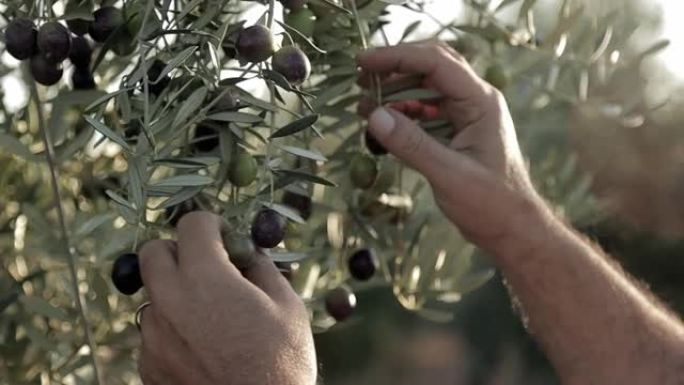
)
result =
(126, 274)
(268, 228)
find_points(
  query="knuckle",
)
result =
(149, 251)
(195, 217)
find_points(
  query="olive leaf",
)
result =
(284, 211)
(108, 133)
(184, 180)
(414, 94)
(175, 62)
(236, 117)
(304, 153)
(294, 127)
(190, 107)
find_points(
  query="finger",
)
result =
(448, 73)
(403, 138)
(166, 349)
(264, 274)
(200, 245)
(158, 267)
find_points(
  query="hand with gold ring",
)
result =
(213, 323)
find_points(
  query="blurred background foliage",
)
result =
(598, 119)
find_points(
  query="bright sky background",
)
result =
(444, 10)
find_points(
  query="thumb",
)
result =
(409, 142)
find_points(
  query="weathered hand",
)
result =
(479, 179)
(210, 324)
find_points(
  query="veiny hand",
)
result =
(480, 180)
(210, 324)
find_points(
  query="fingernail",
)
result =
(381, 122)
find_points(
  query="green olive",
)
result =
(242, 170)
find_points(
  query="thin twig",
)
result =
(50, 157)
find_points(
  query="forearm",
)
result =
(595, 323)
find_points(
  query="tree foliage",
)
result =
(90, 174)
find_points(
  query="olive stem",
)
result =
(57, 197)
(375, 79)
(271, 13)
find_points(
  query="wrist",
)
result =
(532, 225)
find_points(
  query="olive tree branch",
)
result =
(50, 158)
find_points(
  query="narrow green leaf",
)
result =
(185, 180)
(181, 196)
(188, 8)
(108, 133)
(236, 117)
(303, 37)
(245, 97)
(284, 211)
(119, 199)
(187, 163)
(304, 153)
(190, 107)
(410, 29)
(136, 176)
(176, 61)
(93, 223)
(103, 99)
(300, 175)
(294, 127)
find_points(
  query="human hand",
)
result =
(209, 323)
(480, 179)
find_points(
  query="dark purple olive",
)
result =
(373, 145)
(54, 41)
(292, 63)
(106, 21)
(81, 52)
(44, 71)
(20, 38)
(340, 303)
(363, 264)
(255, 44)
(206, 138)
(268, 229)
(173, 214)
(299, 202)
(82, 79)
(126, 274)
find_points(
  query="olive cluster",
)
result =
(49, 45)
(268, 230)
